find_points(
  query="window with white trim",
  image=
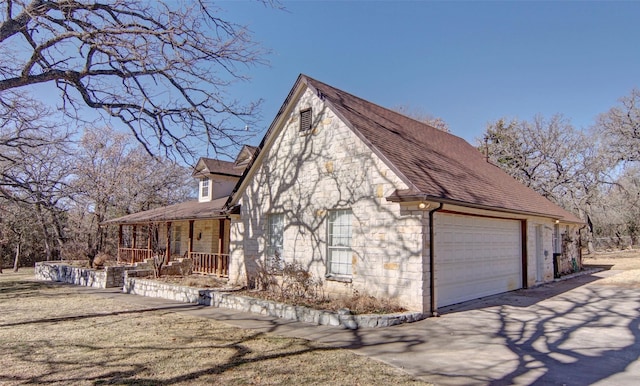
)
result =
(176, 243)
(339, 243)
(275, 240)
(204, 187)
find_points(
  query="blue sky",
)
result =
(467, 62)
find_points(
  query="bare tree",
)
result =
(161, 68)
(37, 175)
(20, 234)
(550, 156)
(544, 154)
(620, 127)
(114, 176)
(25, 125)
(423, 117)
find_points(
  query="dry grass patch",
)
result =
(55, 334)
(198, 281)
(357, 303)
(620, 260)
(626, 261)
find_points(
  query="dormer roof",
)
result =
(245, 155)
(207, 166)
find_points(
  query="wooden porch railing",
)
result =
(134, 255)
(211, 263)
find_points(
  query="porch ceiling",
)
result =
(190, 210)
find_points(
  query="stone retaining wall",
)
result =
(108, 277)
(217, 298)
(154, 289)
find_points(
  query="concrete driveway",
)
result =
(575, 332)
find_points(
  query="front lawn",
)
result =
(625, 264)
(54, 334)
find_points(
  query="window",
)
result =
(339, 244)
(204, 188)
(177, 239)
(305, 120)
(557, 247)
(275, 238)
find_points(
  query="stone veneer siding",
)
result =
(108, 277)
(217, 298)
(305, 176)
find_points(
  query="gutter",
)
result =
(412, 197)
(432, 259)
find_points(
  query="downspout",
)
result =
(432, 260)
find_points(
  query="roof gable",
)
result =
(244, 156)
(436, 165)
(206, 166)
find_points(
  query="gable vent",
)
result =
(305, 120)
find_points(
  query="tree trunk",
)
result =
(16, 260)
(60, 238)
(45, 232)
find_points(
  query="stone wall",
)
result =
(304, 176)
(155, 289)
(217, 298)
(108, 277)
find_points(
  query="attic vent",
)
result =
(305, 119)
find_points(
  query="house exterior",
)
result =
(369, 200)
(197, 229)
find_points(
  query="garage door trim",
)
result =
(475, 230)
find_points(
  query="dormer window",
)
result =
(204, 188)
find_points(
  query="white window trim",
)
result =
(176, 241)
(205, 183)
(331, 249)
(272, 251)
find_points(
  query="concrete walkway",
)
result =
(575, 332)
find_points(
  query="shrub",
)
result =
(102, 259)
(294, 284)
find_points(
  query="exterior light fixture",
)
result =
(423, 205)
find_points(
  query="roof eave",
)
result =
(269, 136)
(115, 221)
(417, 196)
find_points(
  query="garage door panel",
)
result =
(475, 257)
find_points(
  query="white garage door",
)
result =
(476, 257)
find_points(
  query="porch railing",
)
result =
(134, 255)
(211, 263)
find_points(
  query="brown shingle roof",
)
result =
(216, 166)
(436, 164)
(191, 210)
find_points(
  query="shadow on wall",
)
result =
(304, 176)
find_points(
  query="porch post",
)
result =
(119, 239)
(149, 228)
(190, 246)
(168, 251)
(221, 236)
(133, 237)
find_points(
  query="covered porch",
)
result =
(205, 242)
(192, 230)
